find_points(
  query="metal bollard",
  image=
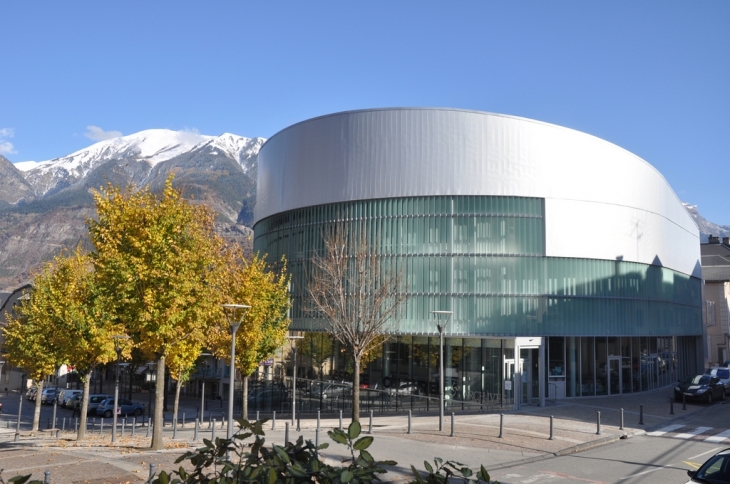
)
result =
(223, 421)
(552, 434)
(124, 420)
(641, 415)
(453, 433)
(299, 423)
(152, 470)
(257, 415)
(370, 428)
(286, 433)
(622, 420)
(316, 441)
(340, 419)
(47, 477)
(684, 402)
(318, 419)
(76, 427)
(134, 425)
(210, 419)
(195, 435)
(598, 423)
(148, 426)
(212, 437)
(101, 426)
(273, 421)
(410, 429)
(501, 426)
(63, 425)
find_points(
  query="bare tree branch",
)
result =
(356, 290)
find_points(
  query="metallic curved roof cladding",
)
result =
(602, 202)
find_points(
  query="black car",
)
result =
(716, 470)
(700, 387)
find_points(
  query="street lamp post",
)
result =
(234, 323)
(118, 348)
(294, 379)
(202, 393)
(441, 328)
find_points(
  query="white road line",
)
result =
(719, 437)
(697, 431)
(664, 430)
(705, 453)
(669, 466)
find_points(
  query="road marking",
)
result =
(652, 470)
(697, 431)
(664, 430)
(719, 437)
(692, 464)
(705, 453)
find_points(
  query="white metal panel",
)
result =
(389, 153)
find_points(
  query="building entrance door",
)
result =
(508, 386)
(615, 384)
(530, 384)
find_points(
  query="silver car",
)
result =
(723, 374)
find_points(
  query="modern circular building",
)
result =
(570, 265)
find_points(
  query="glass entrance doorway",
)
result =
(530, 381)
(614, 375)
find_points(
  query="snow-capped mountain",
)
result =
(43, 206)
(706, 227)
(149, 147)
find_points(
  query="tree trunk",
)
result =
(157, 443)
(177, 397)
(356, 390)
(244, 404)
(37, 411)
(84, 407)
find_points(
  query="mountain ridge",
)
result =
(44, 205)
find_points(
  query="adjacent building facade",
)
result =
(570, 265)
(716, 275)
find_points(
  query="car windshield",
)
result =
(723, 373)
(716, 470)
(697, 380)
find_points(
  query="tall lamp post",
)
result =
(118, 348)
(234, 322)
(441, 328)
(202, 393)
(294, 378)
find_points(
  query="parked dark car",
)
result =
(715, 470)
(126, 407)
(700, 387)
(723, 374)
(269, 398)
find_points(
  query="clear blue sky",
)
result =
(650, 76)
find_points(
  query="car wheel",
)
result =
(137, 412)
(108, 413)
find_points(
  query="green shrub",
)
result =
(234, 461)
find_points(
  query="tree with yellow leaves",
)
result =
(263, 330)
(155, 257)
(63, 322)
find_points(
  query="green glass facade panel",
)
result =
(484, 258)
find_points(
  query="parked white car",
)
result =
(65, 397)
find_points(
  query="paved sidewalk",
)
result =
(476, 441)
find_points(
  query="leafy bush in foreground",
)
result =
(234, 461)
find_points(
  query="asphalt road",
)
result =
(664, 458)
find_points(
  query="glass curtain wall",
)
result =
(484, 259)
(630, 364)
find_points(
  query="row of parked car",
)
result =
(100, 404)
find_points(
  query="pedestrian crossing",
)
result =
(690, 432)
